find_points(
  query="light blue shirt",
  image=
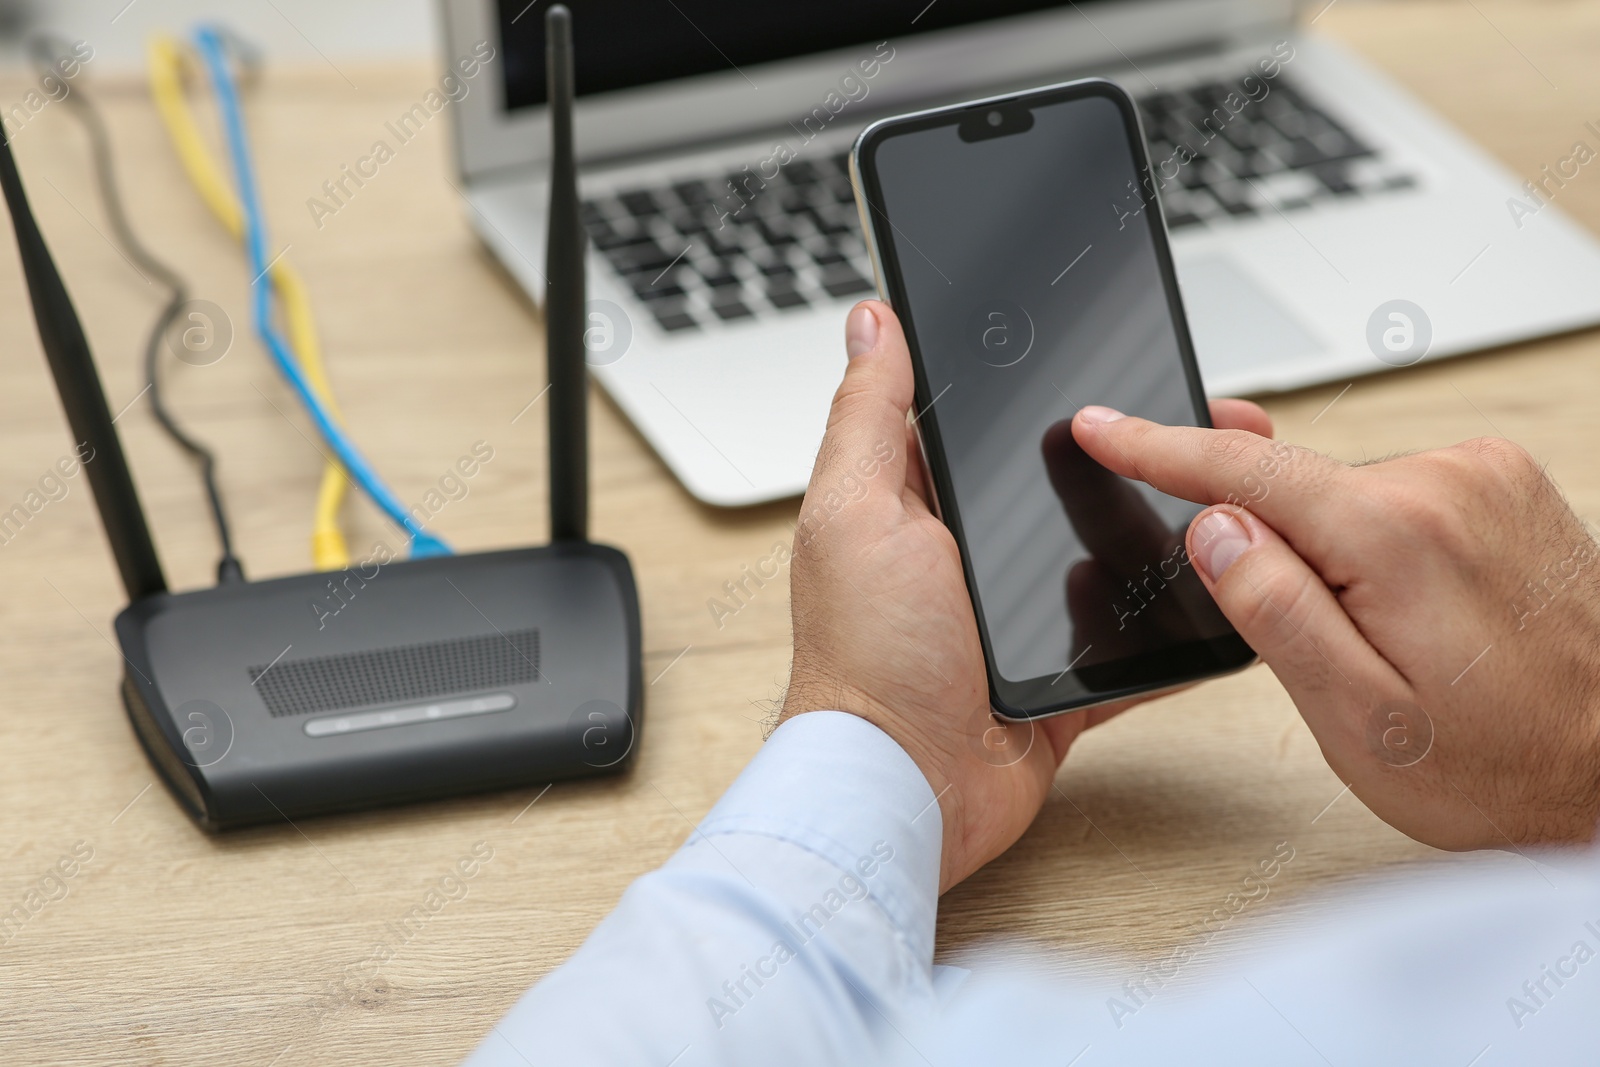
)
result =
(796, 926)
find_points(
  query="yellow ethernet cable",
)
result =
(167, 56)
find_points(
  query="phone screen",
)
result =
(1031, 271)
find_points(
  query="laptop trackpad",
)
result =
(1237, 327)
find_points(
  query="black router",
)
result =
(444, 676)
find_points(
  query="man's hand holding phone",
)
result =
(1020, 241)
(1368, 591)
(884, 626)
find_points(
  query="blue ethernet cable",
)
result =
(209, 40)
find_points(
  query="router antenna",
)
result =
(565, 313)
(78, 384)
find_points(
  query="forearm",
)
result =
(795, 918)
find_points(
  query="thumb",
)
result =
(1286, 613)
(866, 433)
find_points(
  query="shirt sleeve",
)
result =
(1490, 960)
(795, 922)
(795, 926)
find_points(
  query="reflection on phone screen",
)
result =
(1033, 287)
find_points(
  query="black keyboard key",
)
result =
(611, 238)
(841, 279)
(777, 269)
(663, 275)
(1179, 219)
(827, 257)
(1335, 179)
(673, 317)
(838, 212)
(1239, 134)
(1291, 124)
(776, 231)
(794, 200)
(688, 223)
(1234, 201)
(1327, 147)
(745, 185)
(784, 297)
(1304, 152)
(640, 256)
(1270, 162)
(1159, 103)
(1343, 146)
(1173, 128)
(648, 289)
(724, 243)
(730, 309)
(640, 203)
(1247, 165)
(829, 222)
(695, 194)
(611, 241)
(719, 274)
(801, 172)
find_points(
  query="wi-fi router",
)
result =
(440, 676)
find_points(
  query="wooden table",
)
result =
(171, 946)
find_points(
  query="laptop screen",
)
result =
(622, 44)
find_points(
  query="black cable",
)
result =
(229, 568)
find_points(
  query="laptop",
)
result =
(1324, 223)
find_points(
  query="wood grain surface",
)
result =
(171, 946)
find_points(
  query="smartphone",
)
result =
(1020, 241)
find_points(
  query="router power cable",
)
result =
(46, 52)
(212, 49)
(167, 60)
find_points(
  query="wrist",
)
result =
(816, 695)
(837, 697)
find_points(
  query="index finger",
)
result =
(1288, 487)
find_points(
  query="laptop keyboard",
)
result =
(726, 248)
(692, 254)
(1281, 153)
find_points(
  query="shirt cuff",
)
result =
(837, 786)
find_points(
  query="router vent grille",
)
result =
(397, 675)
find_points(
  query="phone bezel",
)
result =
(1068, 691)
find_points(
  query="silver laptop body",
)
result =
(1329, 226)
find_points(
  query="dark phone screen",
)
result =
(1032, 284)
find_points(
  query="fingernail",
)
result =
(1219, 539)
(1096, 414)
(860, 331)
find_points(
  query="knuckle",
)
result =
(1437, 520)
(1229, 450)
(1458, 490)
(1498, 456)
(1247, 466)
